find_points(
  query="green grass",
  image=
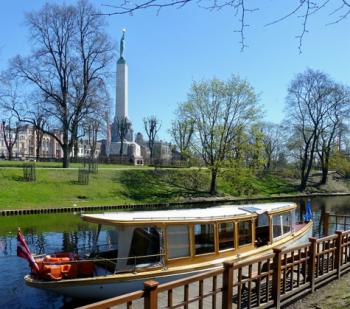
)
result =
(246, 184)
(59, 187)
(269, 185)
(334, 295)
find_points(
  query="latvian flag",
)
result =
(24, 253)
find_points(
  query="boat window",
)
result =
(145, 246)
(276, 223)
(226, 232)
(178, 241)
(105, 242)
(281, 224)
(293, 217)
(204, 238)
(286, 222)
(244, 233)
(263, 220)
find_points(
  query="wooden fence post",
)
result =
(338, 252)
(151, 294)
(227, 292)
(312, 263)
(326, 223)
(276, 279)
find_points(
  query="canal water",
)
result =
(67, 232)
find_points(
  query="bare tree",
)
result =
(10, 135)
(219, 111)
(338, 102)
(68, 65)
(39, 124)
(338, 10)
(308, 106)
(272, 137)
(122, 127)
(92, 127)
(152, 126)
(26, 108)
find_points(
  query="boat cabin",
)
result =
(166, 238)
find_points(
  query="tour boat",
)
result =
(166, 245)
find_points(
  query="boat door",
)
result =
(262, 230)
(262, 225)
(142, 247)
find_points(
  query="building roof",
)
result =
(187, 215)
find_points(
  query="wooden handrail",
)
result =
(119, 300)
(323, 239)
(313, 262)
(195, 278)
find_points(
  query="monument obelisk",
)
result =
(121, 101)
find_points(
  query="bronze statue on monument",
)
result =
(122, 44)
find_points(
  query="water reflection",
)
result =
(66, 232)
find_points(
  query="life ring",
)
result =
(64, 265)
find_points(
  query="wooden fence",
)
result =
(273, 280)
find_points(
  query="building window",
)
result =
(178, 241)
(244, 233)
(204, 238)
(226, 234)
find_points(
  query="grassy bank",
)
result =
(334, 295)
(59, 187)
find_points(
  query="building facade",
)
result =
(26, 145)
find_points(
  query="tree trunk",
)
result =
(66, 156)
(305, 176)
(76, 149)
(151, 155)
(9, 154)
(39, 139)
(212, 189)
(303, 184)
(324, 173)
(37, 153)
(121, 147)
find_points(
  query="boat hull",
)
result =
(103, 287)
(101, 290)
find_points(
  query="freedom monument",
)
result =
(122, 140)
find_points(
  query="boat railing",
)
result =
(85, 250)
(113, 262)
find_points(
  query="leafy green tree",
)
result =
(182, 133)
(219, 111)
(341, 163)
(256, 157)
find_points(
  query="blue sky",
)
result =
(165, 53)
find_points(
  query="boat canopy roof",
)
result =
(223, 212)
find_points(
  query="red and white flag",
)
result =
(24, 252)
